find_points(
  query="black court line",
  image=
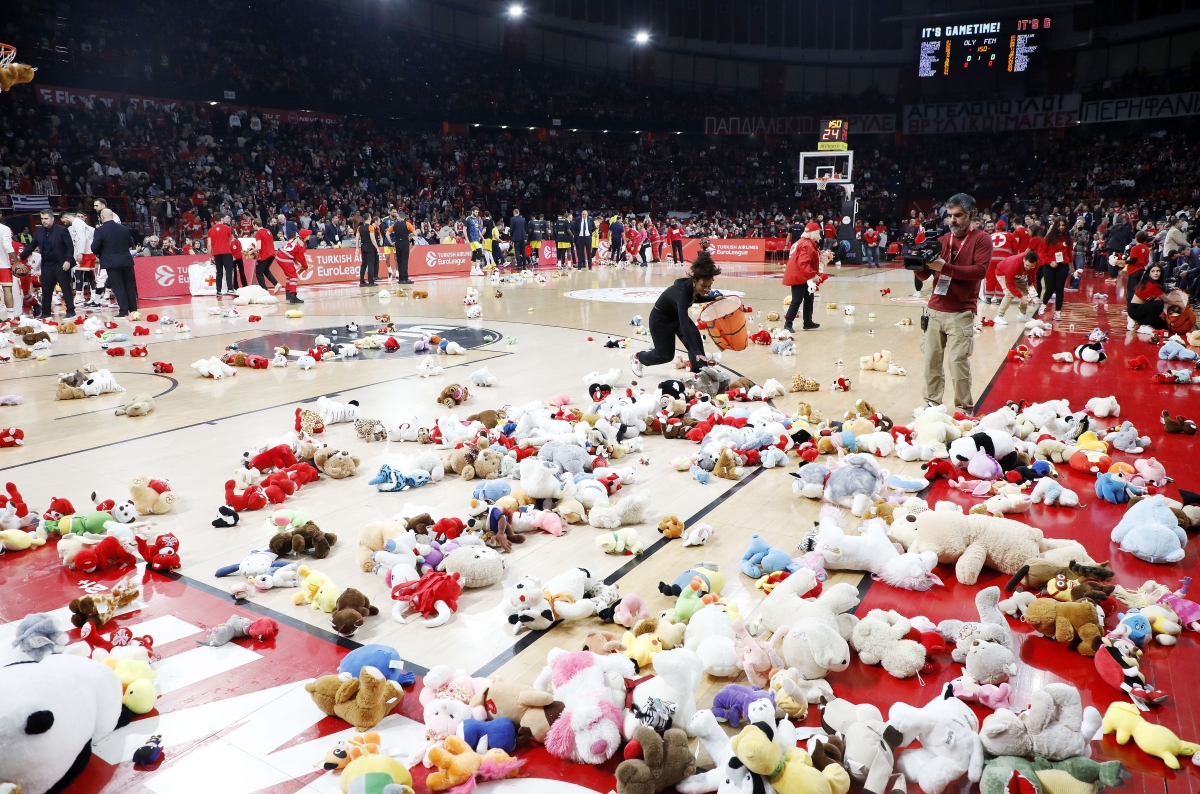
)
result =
(531, 637)
(498, 354)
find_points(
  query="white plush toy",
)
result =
(872, 551)
(1104, 406)
(431, 464)
(773, 389)
(333, 412)
(481, 377)
(710, 636)
(911, 452)
(812, 648)
(578, 593)
(253, 294)
(610, 378)
(406, 431)
(525, 607)
(207, 367)
(102, 382)
(590, 727)
(704, 726)
(425, 367)
(950, 748)
(696, 534)
(280, 359)
(1048, 491)
(630, 510)
(453, 349)
(306, 362)
(880, 444)
(474, 312)
(620, 541)
(678, 676)
(879, 638)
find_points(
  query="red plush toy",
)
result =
(883, 293)
(278, 487)
(900, 431)
(108, 553)
(761, 337)
(58, 508)
(138, 352)
(163, 555)
(110, 325)
(116, 351)
(141, 330)
(809, 452)
(151, 318)
(162, 367)
(939, 467)
(256, 362)
(1140, 362)
(252, 498)
(447, 528)
(253, 318)
(14, 498)
(263, 629)
(391, 345)
(750, 456)
(303, 473)
(841, 384)
(278, 457)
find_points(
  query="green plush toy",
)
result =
(289, 520)
(1049, 777)
(80, 525)
(690, 602)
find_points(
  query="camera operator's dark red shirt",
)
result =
(967, 263)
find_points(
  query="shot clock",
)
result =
(834, 136)
(992, 46)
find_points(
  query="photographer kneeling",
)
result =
(949, 323)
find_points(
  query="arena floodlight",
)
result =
(641, 37)
(516, 11)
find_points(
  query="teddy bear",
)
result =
(991, 626)
(531, 710)
(879, 638)
(630, 510)
(1056, 726)
(1067, 622)
(138, 405)
(453, 395)
(336, 464)
(974, 541)
(621, 541)
(461, 461)
(362, 701)
(151, 497)
(665, 760)
(950, 748)
(351, 608)
(306, 538)
(15, 74)
(869, 742)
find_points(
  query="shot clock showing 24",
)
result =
(1002, 46)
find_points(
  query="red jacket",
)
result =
(803, 264)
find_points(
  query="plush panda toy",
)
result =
(47, 730)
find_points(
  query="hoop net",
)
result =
(822, 182)
(8, 54)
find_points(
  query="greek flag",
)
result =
(30, 203)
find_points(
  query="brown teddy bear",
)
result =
(66, 391)
(531, 710)
(362, 701)
(1036, 573)
(454, 394)
(68, 328)
(726, 466)
(372, 538)
(151, 497)
(1066, 622)
(488, 418)
(351, 609)
(603, 642)
(487, 464)
(34, 338)
(666, 760)
(14, 74)
(461, 461)
(670, 527)
(421, 524)
(336, 464)
(302, 540)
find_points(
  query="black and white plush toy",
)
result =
(1092, 352)
(995, 443)
(47, 729)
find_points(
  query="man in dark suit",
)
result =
(285, 226)
(111, 244)
(58, 257)
(519, 236)
(582, 230)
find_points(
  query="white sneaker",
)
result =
(1001, 321)
(1041, 309)
(1145, 329)
(1022, 318)
(636, 366)
(917, 294)
(1058, 315)
(1130, 324)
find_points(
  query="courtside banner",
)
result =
(751, 249)
(1163, 106)
(439, 260)
(160, 277)
(1004, 115)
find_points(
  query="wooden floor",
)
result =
(201, 427)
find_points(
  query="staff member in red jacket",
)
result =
(950, 331)
(1013, 273)
(803, 264)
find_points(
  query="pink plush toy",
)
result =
(994, 697)
(1151, 472)
(589, 729)
(630, 610)
(559, 400)
(547, 521)
(756, 658)
(442, 682)
(1188, 611)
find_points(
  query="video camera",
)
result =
(919, 256)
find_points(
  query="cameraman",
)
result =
(950, 331)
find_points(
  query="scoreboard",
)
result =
(1008, 46)
(834, 136)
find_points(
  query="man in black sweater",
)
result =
(111, 244)
(58, 256)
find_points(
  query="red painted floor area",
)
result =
(1176, 669)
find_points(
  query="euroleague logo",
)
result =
(431, 258)
(164, 275)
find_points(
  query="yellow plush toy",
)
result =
(137, 679)
(790, 773)
(1090, 440)
(1152, 739)
(310, 583)
(326, 597)
(375, 767)
(19, 540)
(641, 648)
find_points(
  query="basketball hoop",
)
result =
(822, 182)
(8, 54)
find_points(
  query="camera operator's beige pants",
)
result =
(951, 335)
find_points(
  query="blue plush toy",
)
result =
(491, 490)
(1139, 627)
(1150, 532)
(1114, 488)
(761, 559)
(383, 658)
(1173, 351)
(483, 736)
(701, 475)
(389, 479)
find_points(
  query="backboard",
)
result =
(826, 167)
